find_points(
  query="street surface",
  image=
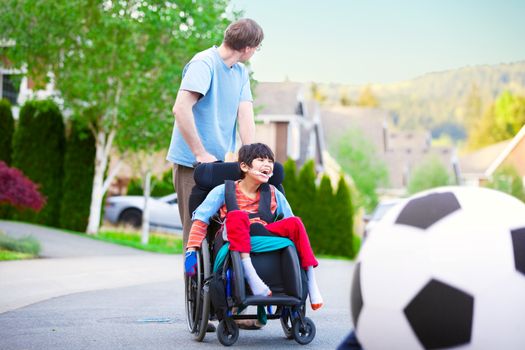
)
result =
(88, 294)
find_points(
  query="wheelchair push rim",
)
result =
(197, 299)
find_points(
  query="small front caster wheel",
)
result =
(303, 334)
(227, 332)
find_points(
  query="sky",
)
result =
(382, 41)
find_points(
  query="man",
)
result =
(214, 95)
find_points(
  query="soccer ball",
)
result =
(443, 269)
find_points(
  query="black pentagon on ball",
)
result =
(518, 246)
(441, 315)
(425, 211)
(356, 298)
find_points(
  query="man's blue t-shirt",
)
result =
(223, 88)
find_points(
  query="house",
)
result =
(16, 87)
(288, 121)
(401, 151)
(478, 167)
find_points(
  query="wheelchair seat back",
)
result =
(207, 176)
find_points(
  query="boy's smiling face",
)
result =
(260, 171)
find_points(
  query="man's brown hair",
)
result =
(243, 33)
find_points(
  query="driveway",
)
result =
(73, 263)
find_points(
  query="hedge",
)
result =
(38, 151)
(79, 168)
(7, 128)
(327, 216)
(160, 187)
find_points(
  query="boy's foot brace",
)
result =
(256, 284)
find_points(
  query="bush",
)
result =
(343, 226)
(328, 217)
(507, 179)
(28, 245)
(359, 158)
(38, 151)
(79, 168)
(305, 205)
(17, 190)
(321, 233)
(290, 181)
(431, 173)
(161, 187)
(7, 128)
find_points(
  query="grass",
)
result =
(158, 242)
(10, 255)
(16, 249)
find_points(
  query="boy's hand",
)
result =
(190, 263)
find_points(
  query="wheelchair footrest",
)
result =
(272, 300)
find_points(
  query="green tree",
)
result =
(507, 179)
(429, 174)
(317, 93)
(343, 222)
(473, 108)
(38, 151)
(120, 61)
(322, 233)
(306, 193)
(344, 98)
(79, 166)
(367, 98)
(290, 181)
(358, 157)
(501, 121)
(7, 129)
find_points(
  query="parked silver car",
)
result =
(164, 211)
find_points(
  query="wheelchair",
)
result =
(220, 274)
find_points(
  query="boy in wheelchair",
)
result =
(256, 162)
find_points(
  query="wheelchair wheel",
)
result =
(287, 320)
(303, 334)
(227, 332)
(197, 296)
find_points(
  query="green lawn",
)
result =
(28, 247)
(158, 242)
(18, 249)
(10, 255)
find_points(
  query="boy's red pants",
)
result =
(238, 228)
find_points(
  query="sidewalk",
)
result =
(75, 264)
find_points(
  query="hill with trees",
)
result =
(446, 103)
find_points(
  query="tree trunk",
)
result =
(145, 211)
(101, 161)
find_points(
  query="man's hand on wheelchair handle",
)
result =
(190, 263)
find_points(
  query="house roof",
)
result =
(408, 140)
(506, 151)
(402, 162)
(278, 98)
(338, 121)
(479, 161)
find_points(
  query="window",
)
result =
(11, 87)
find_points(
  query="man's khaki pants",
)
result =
(183, 183)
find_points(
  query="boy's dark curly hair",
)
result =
(248, 153)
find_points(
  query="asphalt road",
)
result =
(110, 297)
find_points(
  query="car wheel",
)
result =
(131, 217)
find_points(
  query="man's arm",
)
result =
(182, 110)
(246, 122)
